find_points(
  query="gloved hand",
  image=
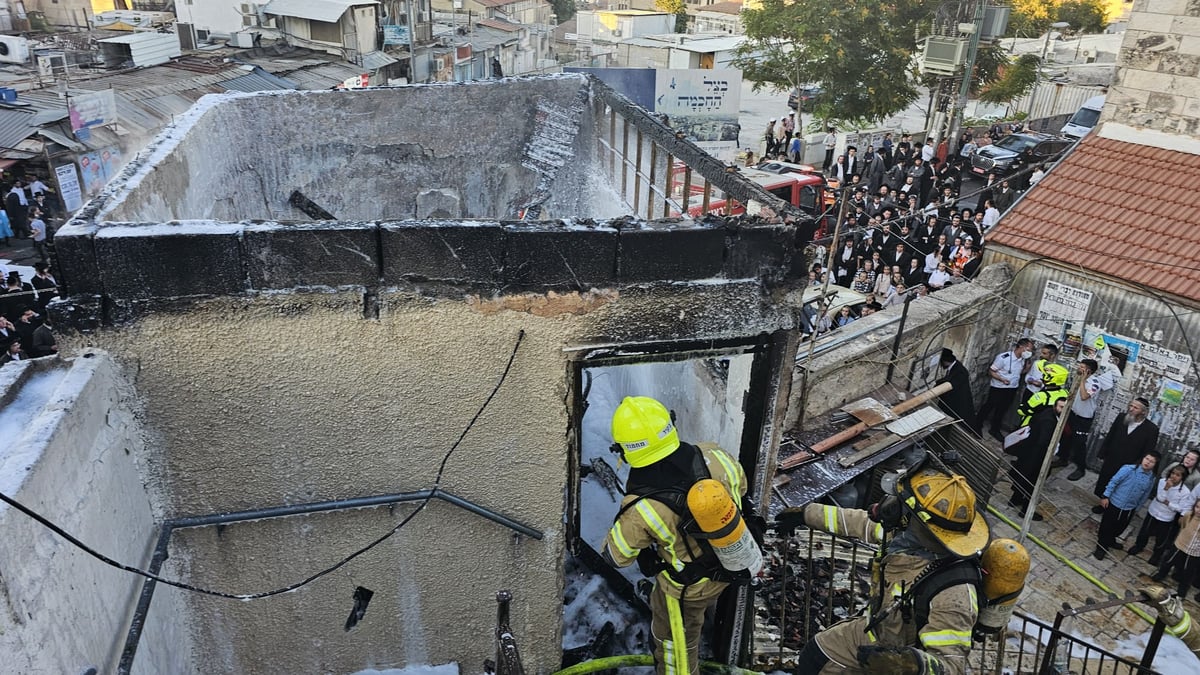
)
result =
(889, 512)
(894, 660)
(648, 562)
(788, 520)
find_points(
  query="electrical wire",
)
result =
(45, 522)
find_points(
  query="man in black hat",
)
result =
(957, 402)
(1129, 438)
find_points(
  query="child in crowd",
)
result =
(1185, 559)
(1129, 488)
(1171, 499)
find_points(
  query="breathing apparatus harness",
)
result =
(704, 562)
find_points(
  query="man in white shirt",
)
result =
(928, 151)
(1005, 375)
(1033, 371)
(1083, 411)
(830, 146)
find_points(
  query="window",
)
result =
(784, 193)
(808, 200)
(325, 31)
(1015, 143)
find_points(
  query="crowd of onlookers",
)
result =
(906, 228)
(25, 330)
(26, 214)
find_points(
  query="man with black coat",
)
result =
(1031, 454)
(958, 402)
(1129, 438)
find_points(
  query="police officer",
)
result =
(924, 579)
(650, 527)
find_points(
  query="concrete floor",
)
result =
(1071, 528)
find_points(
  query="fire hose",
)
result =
(639, 660)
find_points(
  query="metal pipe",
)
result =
(142, 610)
(1044, 471)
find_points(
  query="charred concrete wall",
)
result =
(76, 464)
(369, 154)
(283, 363)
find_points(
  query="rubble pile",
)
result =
(826, 580)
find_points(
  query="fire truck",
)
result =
(800, 185)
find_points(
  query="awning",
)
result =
(328, 11)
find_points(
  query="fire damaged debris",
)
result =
(308, 206)
(808, 584)
(598, 647)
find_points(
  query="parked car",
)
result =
(1084, 119)
(804, 98)
(1014, 151)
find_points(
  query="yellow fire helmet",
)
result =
(946, 505)
(1054, 374)
(642, 427)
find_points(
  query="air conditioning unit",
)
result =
(616, 32)
(943, 55)
(13, 49)
(439, 64)
(242, 39)
(52, 64)
(202, 35)
(1089, 55)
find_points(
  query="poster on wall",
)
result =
(97, 168)
(68, 187)
(1173, 364)
(1061, 314)
(703, 104)
(1171, 392)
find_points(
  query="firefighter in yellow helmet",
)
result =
(925, 579)
(1054, 387)
(655, 527)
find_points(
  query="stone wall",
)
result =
(1159, 69)
(62, 610)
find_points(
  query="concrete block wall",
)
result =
(969, 319)
(1159, 69)
(62, 610)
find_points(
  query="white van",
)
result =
(1084, 119)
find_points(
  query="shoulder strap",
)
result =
(926, 587)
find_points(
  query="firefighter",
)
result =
(1054, 387)
(925, 579)
(654, 526)
(1178, 620)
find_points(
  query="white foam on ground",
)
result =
(444, 669)
(16, 456)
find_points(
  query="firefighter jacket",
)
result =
(946, 635)
(1045, 397)
(651, 522)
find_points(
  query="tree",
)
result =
(990, 62)
(858, 51)
(676, 7)
(1085, 16)
(1015, 81)
(563, 9)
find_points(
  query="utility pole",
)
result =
(964, 89)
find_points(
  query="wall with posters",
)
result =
(98, 167)
(1156, 335)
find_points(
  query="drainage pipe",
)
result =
(638, 660)
(164, 539)
(1069, 563)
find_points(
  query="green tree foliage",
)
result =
(990, 61)
(676, 7)
(563, 9)
(858, 51)
(1087, 16)
(1014, 82)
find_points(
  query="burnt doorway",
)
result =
(719, 394)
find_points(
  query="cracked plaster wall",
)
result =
(1159, 69)
(294, 397)
(60, 609)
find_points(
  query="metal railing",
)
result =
(819, 579)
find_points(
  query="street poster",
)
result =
(68, 187)
(1062, 312)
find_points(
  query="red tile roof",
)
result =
(1117, 208)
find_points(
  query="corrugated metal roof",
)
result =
(328, 11)
(1098, 209)
(142, 38)
(377, 60)
(258, 80)
(325, 76)
(15, 126)
(500, 25)
(62, 140)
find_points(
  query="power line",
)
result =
(45, 522)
